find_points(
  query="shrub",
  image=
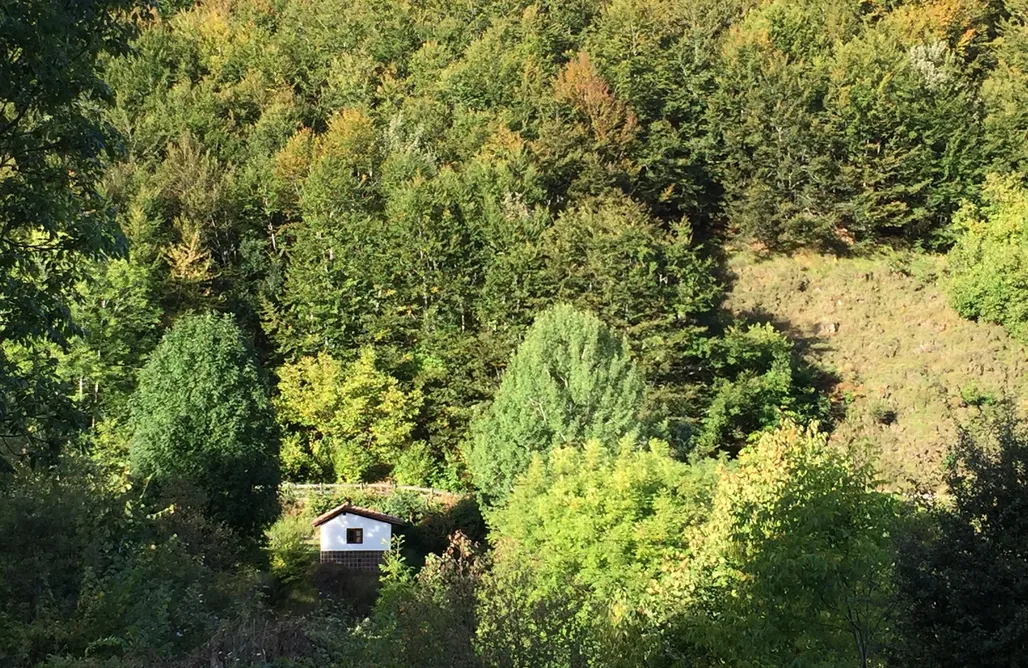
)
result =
(201, 414)
(988, 266)
(759, 381)
(793, 565)
(971, 395)
(882, 413)
(291, 552)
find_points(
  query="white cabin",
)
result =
(355, 537)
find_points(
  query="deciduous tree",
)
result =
(54, 144)
(201, 415)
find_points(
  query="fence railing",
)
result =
(383, 488)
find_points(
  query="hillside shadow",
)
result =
(432, 534)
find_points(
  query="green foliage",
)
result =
(381, 198)
(581, 538)
(794, 564)
(119, 320)
(609, 256)
(424, 188)
(662, 59)
(291, 552)
(759, 381)
(54, 145)
(201, 415)
(971, 395)
(988, 266)
(428, 619)
(606, 519)
(905, 113)
(519, 626)
(356, 419)
(882, 414)
(1005, 91)
(964, 573)
(843, 122)
(87, 572)
(571, 380)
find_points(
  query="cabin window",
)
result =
(354, 536)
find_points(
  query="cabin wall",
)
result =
(377, 535)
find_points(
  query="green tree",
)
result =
(662, 58)
(571, 380)
(201, 415)
(988, 266)
(518, 625)
(90, 575)
(594, 528)
(1005, 92)
(775, 161)
(607, 517)
(118, 317)
(354, 419)
(758, 380)
(843, 122)
(609, 256)
(905, 113)
(965, 574)
(794, 564)
(53, 147)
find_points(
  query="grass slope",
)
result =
(907, 368)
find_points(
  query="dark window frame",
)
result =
(355, 536)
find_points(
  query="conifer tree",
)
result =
(571, 380)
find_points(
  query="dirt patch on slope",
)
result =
(909, 369)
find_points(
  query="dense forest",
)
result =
(488, 247)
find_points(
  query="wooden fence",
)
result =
(383, 488)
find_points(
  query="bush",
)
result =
(882, 413)
(290, 548)
(429, 619)
(85, 573)
(201, 414)
(971, 395)
(759, 381)
(988, 266)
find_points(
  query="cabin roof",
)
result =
(356, 510)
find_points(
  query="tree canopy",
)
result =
(571, 380)
(54, 145)
(201, 415)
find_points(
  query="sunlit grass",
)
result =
(909, 368)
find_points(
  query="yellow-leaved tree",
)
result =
(348, 421)
(793, 566)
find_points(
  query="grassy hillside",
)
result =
(907, 369)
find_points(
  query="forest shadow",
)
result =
(432, 534)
